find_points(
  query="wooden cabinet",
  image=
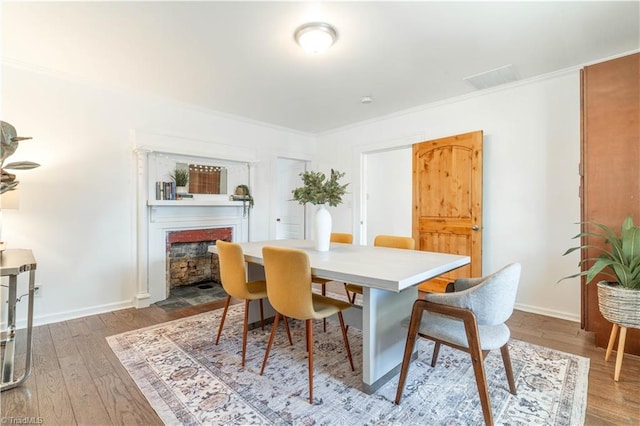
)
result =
(610, 166)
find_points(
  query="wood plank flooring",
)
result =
(77, 380)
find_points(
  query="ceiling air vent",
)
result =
(496, 77)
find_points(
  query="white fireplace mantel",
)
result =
(156, 218)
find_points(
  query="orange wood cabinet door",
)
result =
(610, 168)
(447, 201)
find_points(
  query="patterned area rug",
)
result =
(188, 380)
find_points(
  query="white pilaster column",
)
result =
(141, 300)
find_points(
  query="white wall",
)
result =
(77, 211)
(531, 156)
(387, 193)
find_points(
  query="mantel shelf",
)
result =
(193, 203)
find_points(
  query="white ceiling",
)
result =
(240, 58)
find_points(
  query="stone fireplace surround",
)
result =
(188, 259)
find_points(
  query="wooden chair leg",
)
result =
(612, 341)
(434, 356)
(273, 332)
(506, 360)
(414, 325)
(478, 369)
(224, 315)
(620, 354)
(346, 340)
(261, 315)
(286, 327)
(245, 329)
(310, 350)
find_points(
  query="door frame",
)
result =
(358, 187)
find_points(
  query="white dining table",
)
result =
(389, 278)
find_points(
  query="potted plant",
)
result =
(619, 260)
(318, 190)
(8, 145)
(180, 176)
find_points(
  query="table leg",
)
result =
(383, 336)
(9, 349)
(8, 381)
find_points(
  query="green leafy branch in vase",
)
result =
(318, 189)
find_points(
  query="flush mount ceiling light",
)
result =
(315, 37)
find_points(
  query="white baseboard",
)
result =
(64, 316)
(101, 309)
(548, 312)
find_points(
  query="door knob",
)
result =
(278, 220)
(475, 227)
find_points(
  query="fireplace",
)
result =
(188, 260)
(157, 220)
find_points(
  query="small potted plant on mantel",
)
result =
(318, 190)
(180, 176)
(618, 298)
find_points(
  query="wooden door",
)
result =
(610, 175)
(447, 202)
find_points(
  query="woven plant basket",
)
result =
(619, 305)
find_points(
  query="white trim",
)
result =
(471, 95)
(547, 312)
(78, 313)
(359, 187)
(53, 73)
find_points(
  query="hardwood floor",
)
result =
(76, 378)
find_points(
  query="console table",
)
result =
(13, 262)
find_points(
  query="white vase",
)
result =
(322, 228)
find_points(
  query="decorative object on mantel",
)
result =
(243, 194)
(165, 190)
(619, 299)
(318, 190)
(181, 177)
(8, 145)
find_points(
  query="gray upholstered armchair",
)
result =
(471, 319)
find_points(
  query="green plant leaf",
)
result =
(630, 243)
(620, 260)
(317, 189)
(10, 186)
(180, 176)
(22, 165)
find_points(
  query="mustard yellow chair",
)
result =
(288, 275)
(391, 241)
(336, 237)
(233, 275)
